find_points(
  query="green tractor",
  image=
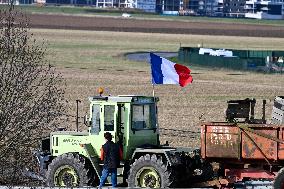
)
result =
(71, 159)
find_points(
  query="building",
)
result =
(234, 8)
(147, 5)
(5, 2)
(260, 9)
(170, 6)
(267, 9)
(202, 7)
(263, 9)
(192, 7)
(107, 3)
(128, 3)
(220, 8)
(212, 8)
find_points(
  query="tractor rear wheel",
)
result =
(149, 171)
(279, 180)
(67, 170)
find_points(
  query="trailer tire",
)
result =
(149, 171)
(67, 170)
(207, 172)
(279, 180)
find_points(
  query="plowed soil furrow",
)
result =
(152, 26)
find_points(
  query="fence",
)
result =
(241, 60)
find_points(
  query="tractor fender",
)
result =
(166, 153)
(93, 158)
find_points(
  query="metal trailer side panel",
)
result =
(257, 147)
(246, 142)
(281, 145)
(220, 140)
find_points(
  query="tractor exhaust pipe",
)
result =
(263, 111)
(77, 114)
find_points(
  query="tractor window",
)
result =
(96, 119)
(109, 117)
(143, 116)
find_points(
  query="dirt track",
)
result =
(153, 26)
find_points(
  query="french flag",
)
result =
(167, 72)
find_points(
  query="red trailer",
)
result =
(245, 150)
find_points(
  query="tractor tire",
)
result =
(207, 173)
(67, 170)
(149, 171)
(279, 180)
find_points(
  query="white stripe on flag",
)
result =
(169, 72)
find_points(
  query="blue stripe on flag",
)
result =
(157, 75)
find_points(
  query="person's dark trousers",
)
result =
(105, 174)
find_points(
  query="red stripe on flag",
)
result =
(184, 74)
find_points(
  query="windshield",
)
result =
(143, 116)
(95, 119)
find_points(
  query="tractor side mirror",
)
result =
(86, 121)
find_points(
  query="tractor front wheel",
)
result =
(67, 170)
(149, 171)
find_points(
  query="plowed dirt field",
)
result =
(153, 26)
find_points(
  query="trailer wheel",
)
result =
(67, 170)
(279, 180)
(207, 172)
(149, 171)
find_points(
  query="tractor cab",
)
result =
(130, 119)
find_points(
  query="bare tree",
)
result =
(32, 96)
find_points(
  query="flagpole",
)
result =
(155, 103)
(153, 87)
(153, 90)
(155, 108)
